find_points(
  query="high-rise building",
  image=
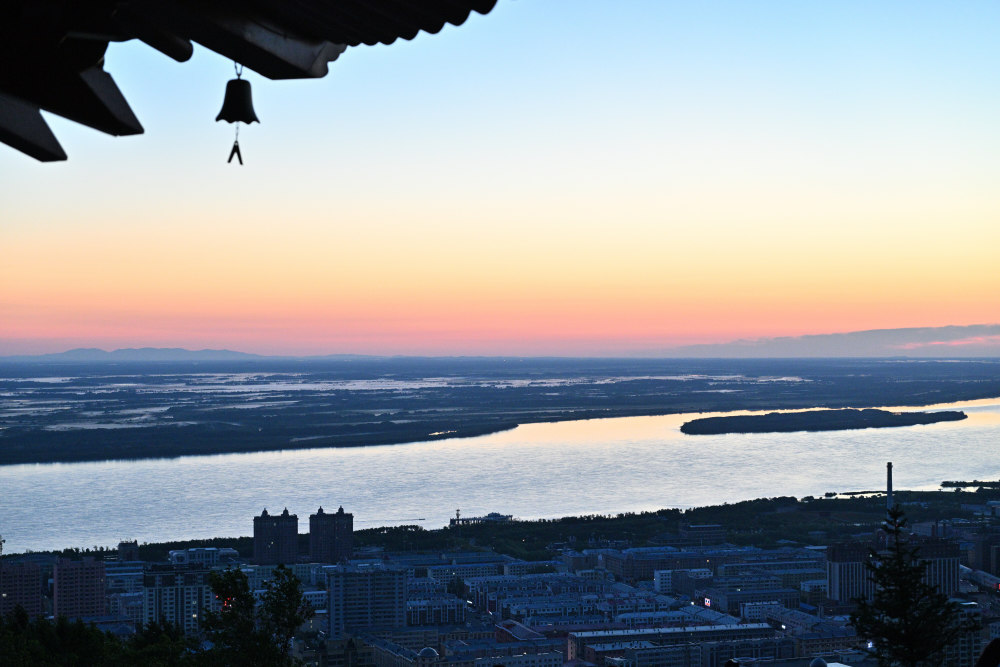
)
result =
(942, 559)
(331, 536)
(78, 588)
(364, 596)
(128, 550)
(847, 576)
(966, 648)
(986, 554)
(20, 585)
(275, 538)
(178, 595)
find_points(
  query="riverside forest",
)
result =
(816, 420)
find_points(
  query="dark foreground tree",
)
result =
(28, 642)
(240, 633)
(909, 622)
(283, 609)
(160, 645)
(244, 633)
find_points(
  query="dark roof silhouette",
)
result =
(52, 51)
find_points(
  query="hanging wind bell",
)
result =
(237, 107)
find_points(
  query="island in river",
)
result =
(121, 408)
(815, 420)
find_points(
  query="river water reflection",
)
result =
(599, 466)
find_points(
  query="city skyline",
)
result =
(536, 181)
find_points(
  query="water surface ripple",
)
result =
(599, 466)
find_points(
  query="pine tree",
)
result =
(908, 622)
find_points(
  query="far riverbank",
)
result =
(139, 412)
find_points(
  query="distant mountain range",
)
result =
(143, 354)
(93, 354)
(979, 340)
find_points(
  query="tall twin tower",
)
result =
(331, 536)
(276, 537)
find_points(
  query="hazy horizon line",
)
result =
(975, 340)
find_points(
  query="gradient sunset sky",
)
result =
(586, 177)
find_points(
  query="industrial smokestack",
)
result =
(888, 486)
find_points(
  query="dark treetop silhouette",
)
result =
(909, 622)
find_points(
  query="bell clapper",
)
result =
(236, 147)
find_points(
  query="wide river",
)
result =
(601, 466)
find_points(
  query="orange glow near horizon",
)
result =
(557, 286)
(594, 294)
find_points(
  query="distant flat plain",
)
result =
(52, 412)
